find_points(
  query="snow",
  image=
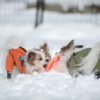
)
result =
(55, 34)
(51, 85)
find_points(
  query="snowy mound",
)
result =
(50, 86)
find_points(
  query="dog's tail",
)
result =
(89, 62)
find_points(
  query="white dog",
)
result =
(87, 63)
(35, 59)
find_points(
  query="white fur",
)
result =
(30, 69)
(39, 65)
(89, 62)
(13, 42)
(61, 65)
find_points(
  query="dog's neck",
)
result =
(32, 68)
(67, 55)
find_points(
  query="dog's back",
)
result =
(12, 42)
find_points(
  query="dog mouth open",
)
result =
(45, 66)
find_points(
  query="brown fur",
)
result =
(45, 50)
(31, 57)
(64, 48)
(37, 59)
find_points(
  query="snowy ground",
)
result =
(51, 85)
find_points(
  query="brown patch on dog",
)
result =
(31, 57)
(45, 50)
(68, 46)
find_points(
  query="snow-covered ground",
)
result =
(51, 85)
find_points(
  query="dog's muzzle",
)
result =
(45, 66)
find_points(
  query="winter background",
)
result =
(57, 30)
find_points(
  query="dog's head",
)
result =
(70, 47)
(68, 50)
(37, 58)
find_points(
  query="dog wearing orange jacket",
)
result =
(14, 57)
(35, 59)
(11, 53)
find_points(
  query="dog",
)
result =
(67, 51)
(87, 64)
(36, 59)
(62, 58)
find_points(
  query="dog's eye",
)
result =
(40, 59)
(47, 60)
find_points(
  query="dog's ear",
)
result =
(44, 46)
(45, 49)
(68, 46)
(31, 56)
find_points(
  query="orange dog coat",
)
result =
(13, 58)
